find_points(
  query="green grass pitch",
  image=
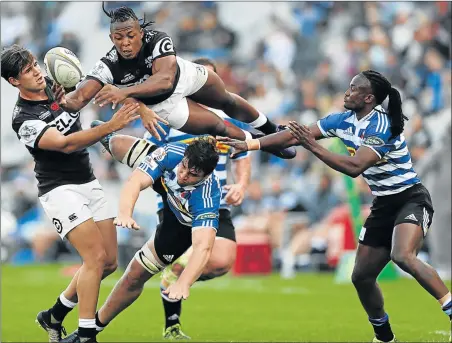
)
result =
(309, 308)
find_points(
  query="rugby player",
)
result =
(143, 65)
(402, 211)
(183, 175)
(69, 192)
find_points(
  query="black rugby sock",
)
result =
(382, 328)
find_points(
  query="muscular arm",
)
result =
(137, 181)
(203, 239)
(161, 81)
(80, 97)
(350, 165)
(285, 139)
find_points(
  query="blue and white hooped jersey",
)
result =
(197, 205)
(394, 172)
(173, 135)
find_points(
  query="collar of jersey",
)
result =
(368, 115)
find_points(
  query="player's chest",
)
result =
(55, 116)
(352, 137)
(130, 74)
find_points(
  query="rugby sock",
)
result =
(446, 304)
(86, 329)
(264, 124)
(61, 308)
(382, 328)
(99, 325)
(172, 309)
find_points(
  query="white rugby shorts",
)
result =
(68, 206)
(175, 109)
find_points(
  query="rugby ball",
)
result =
(63, 66)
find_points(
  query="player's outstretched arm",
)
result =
(137, 181)
(352, 166)
(54, 140)
(80, 97)
(242, 176)
(203, 239)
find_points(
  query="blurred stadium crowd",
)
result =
(292, 61)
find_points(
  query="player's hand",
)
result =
(59, 94)
(177, 291)
(151, 121)
(126, 221)
(110, 94)
(302, 133)
(239, 146)
(235, 195)
(126, 114)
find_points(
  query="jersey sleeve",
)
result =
(377, 136)
(329, 124)
(162, 44)
(204, 205)
(155, 164)
(101, 72)
(28, 127)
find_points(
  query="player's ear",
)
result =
(13, 81)
(141, 32)
(111, 37)
(369, 98)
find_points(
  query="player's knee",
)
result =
(96, 260)
(218, 267)
(110, 266)
(402, 258)
(359, 278)
(132, 282)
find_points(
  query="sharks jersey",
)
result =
(31, 119)
(196, 205)
(113, 69)
(394, 172)
(172, 135)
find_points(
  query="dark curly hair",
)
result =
(202, 154)
(123, 14)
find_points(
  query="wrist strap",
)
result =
(253, 144)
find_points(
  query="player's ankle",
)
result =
(382, 328)
(87, 328)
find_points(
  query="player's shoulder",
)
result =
(208, 192)
(153, 36)
(111, 57)
(379, 122)
(177, 148)
(24, 111)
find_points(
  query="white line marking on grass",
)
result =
(441, 332)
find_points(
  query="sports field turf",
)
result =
(310, 308)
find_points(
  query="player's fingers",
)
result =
(163, 121)
(162, 130)
(223, 139)
(113, 106)
(227, 187)
(154, 132)
(166, 291)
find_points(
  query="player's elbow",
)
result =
(167, 82)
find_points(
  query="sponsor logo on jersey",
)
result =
(148, 62)
(72, 217)
(349, 132)
(166, 45)
(374, 141)
(16, 111)
(128, 77)
(112, 55)
(54, 106)
(64, 121)
(44, 115)
(28, 133)
(159, 154)
(209, 215)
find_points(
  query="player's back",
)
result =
(394, 172)
(31, 119)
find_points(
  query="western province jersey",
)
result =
(173, 135)
(394, 172)
(196, 205)
(113, 69)
(31, 119)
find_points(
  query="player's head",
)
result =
(207, 62)
(200, 159)
(369, 89)
(20, 69)
(126, 32)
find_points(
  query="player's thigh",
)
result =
(88, 241)
(213, 93)
(202, 121)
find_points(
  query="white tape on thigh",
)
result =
(146, 258)
(137, 153)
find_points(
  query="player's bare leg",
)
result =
(369, 262)
(220, 262)
(214, 94)
(407, 240)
